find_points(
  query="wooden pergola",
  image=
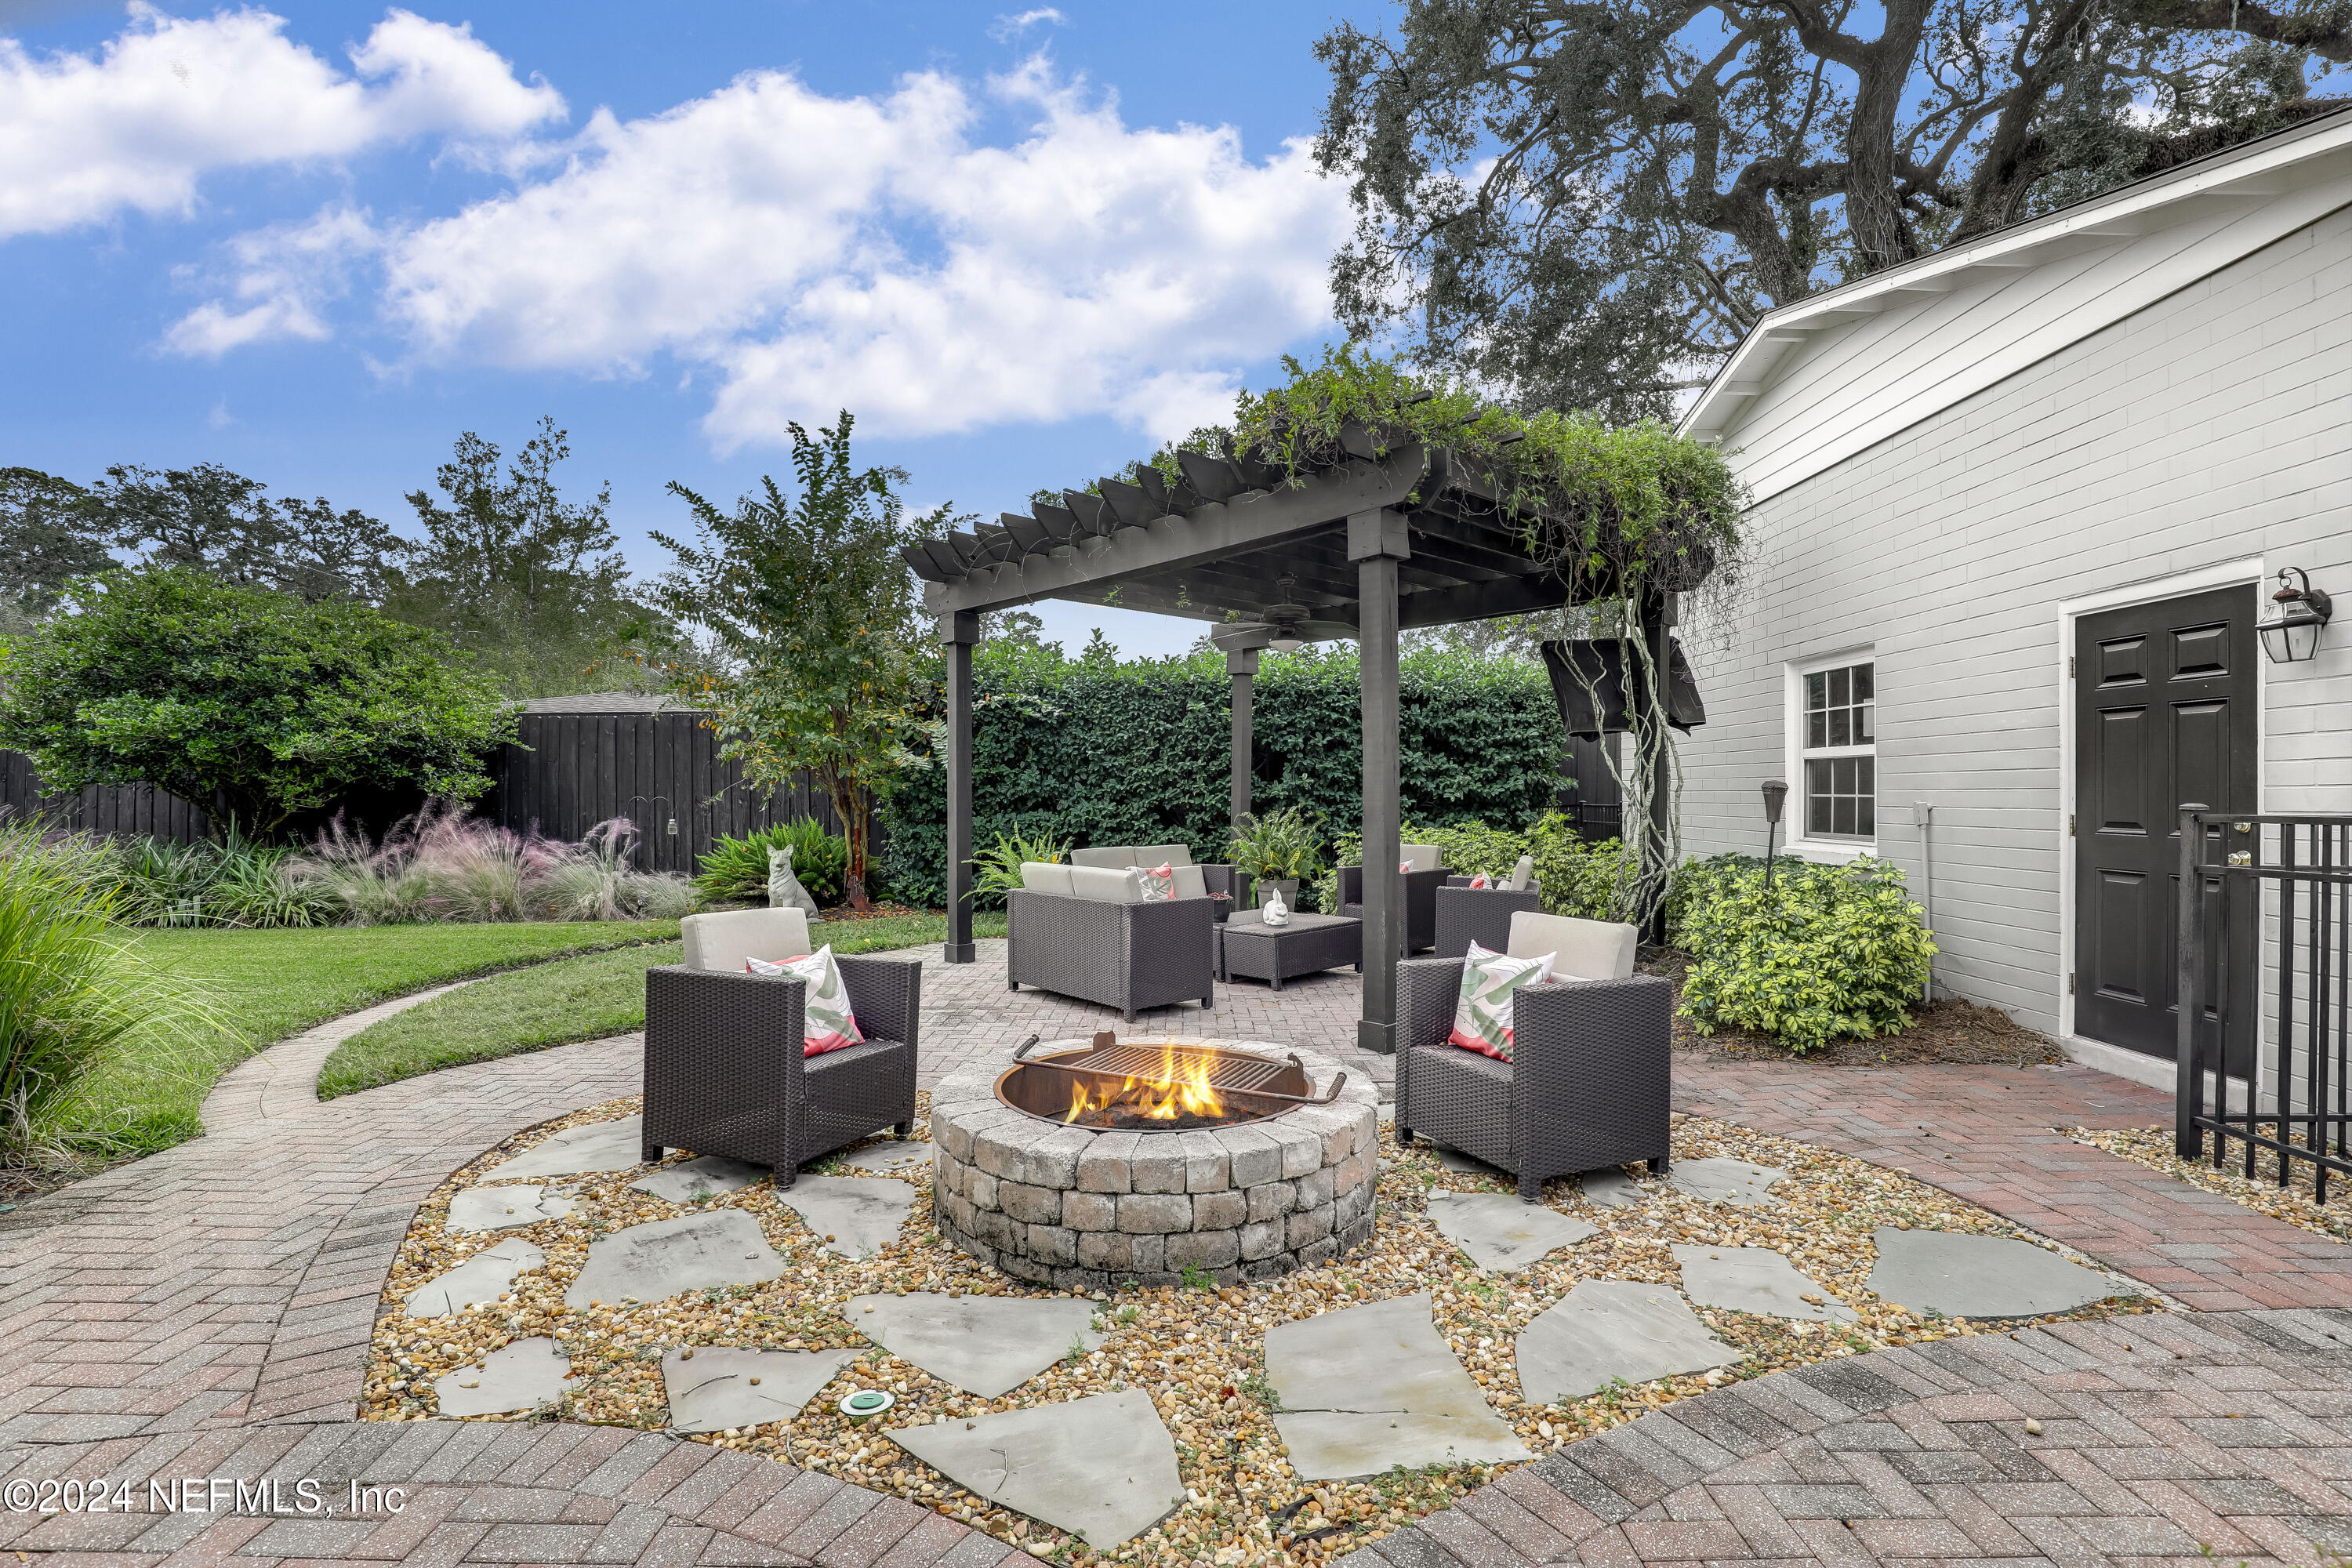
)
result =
(1370, 544)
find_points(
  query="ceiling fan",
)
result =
(1287, 625)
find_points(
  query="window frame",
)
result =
(1799, 840)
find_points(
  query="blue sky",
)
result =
(315, 243)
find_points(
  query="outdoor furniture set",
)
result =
(1467, 914)
(1425, 875)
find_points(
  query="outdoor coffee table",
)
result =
(1246, 945)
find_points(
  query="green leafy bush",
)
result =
(998, 868)
(232, 883)
(736, 869)
(1279, 845)
(1578, 876)
(71, 995)
(1830, 952)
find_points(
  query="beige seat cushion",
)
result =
(1425, 856)
(1112, 885)
(1039, 877)
(1113, 855)
(1580, 949)
(725, 941)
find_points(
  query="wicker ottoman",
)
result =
(1247, 946)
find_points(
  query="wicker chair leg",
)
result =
(1013, 985)
(1531, 1189)
(900, 1129)
(786, 1176)
(1404, 1138)
(1658, 1166)
(653, 1153)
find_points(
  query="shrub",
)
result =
(998, 868)
(593, 880)
(235, 882)
(1830, 952)
(70, 996)
(736, 869)
(1278, 845)
(1577, 878)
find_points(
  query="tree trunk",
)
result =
(848, 803)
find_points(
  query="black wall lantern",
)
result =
(2290, 630)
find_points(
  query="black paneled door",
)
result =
(2164, 714)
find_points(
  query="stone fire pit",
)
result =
(1082, 1209)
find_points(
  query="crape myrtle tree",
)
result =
(1589, 204)
(257, 704)
(815, 633)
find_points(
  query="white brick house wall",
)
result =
(2206, 433)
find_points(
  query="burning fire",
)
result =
(1181, 1088)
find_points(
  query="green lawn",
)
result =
(582, 998)
(266, 985)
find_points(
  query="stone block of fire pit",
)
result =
(1082, 1207)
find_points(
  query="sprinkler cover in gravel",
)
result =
(482, 1277)
(721, 1387)
(705, 1177)
(898, 1157)
(504, 1208)
(1103, 1468)
(1499, 1232)
(1612, 1189)
(1979, 1276)
(579, 1151)
(1608, 1329)
(1725, 1180)
(1367, 1388)
(693, 1252)
(855, 1214)
(525, 1376)
(986, 1345)
(1756, 1280)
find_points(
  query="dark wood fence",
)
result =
(567, 773)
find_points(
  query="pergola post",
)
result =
(1375, 543)
(1241, 664)
(958, 630)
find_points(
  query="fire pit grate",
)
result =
(1166, 1086)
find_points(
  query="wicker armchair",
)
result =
(1421, 884)
(725, 1072)
(1087, 931)
(1588, 1084)
(1467, 914)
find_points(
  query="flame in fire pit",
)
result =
(1180, 1089)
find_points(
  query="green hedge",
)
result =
(1100, 751)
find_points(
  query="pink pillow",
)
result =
(827, 1022)
(1480, 881)
(1404, 867)
(1159, 882)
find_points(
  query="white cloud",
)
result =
(826, 252)
(1008, 27)
(281, 280)
(139, 123)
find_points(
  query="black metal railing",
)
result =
(2265, 921)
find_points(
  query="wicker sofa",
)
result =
(725, 1072)
(1421, 884)
(1084, 930)
(1588, 1082)
(1467, 914)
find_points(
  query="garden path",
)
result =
(206, 1312)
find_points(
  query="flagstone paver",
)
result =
(666, 1257)
(579, 1150)
(1103, 1467)
(208, 1312)
(505, 1208)
(525, 1376)
(1721, 1179)
(1503, 1233)
(855, 1214)
(1756, 1280)
(1979, 1276)
(1611, 1189)
(716, 1386)
(1605, 1330)
(899, 1156)
(1364, 1389)
(986, 1345)
(481, 1277)
(704, 1176)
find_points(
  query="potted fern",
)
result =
(997, 869)
(1279, 849)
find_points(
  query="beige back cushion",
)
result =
(1103, 855)
(1580, 949)
(1161, 854)
(1112, 885)
(725, 941)
(1522, 873)
(1425, 856)
(1041, 878)
(1190, 883)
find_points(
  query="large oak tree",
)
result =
(1587, 202)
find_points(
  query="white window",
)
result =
(1834, 706)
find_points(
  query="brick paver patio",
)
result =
(206, 1312)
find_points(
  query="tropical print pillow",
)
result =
(1159, 882)
(1482, 1016)
(1480, 881)
(829, 1025)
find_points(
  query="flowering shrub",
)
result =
(441, 865)
(1828, 951)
